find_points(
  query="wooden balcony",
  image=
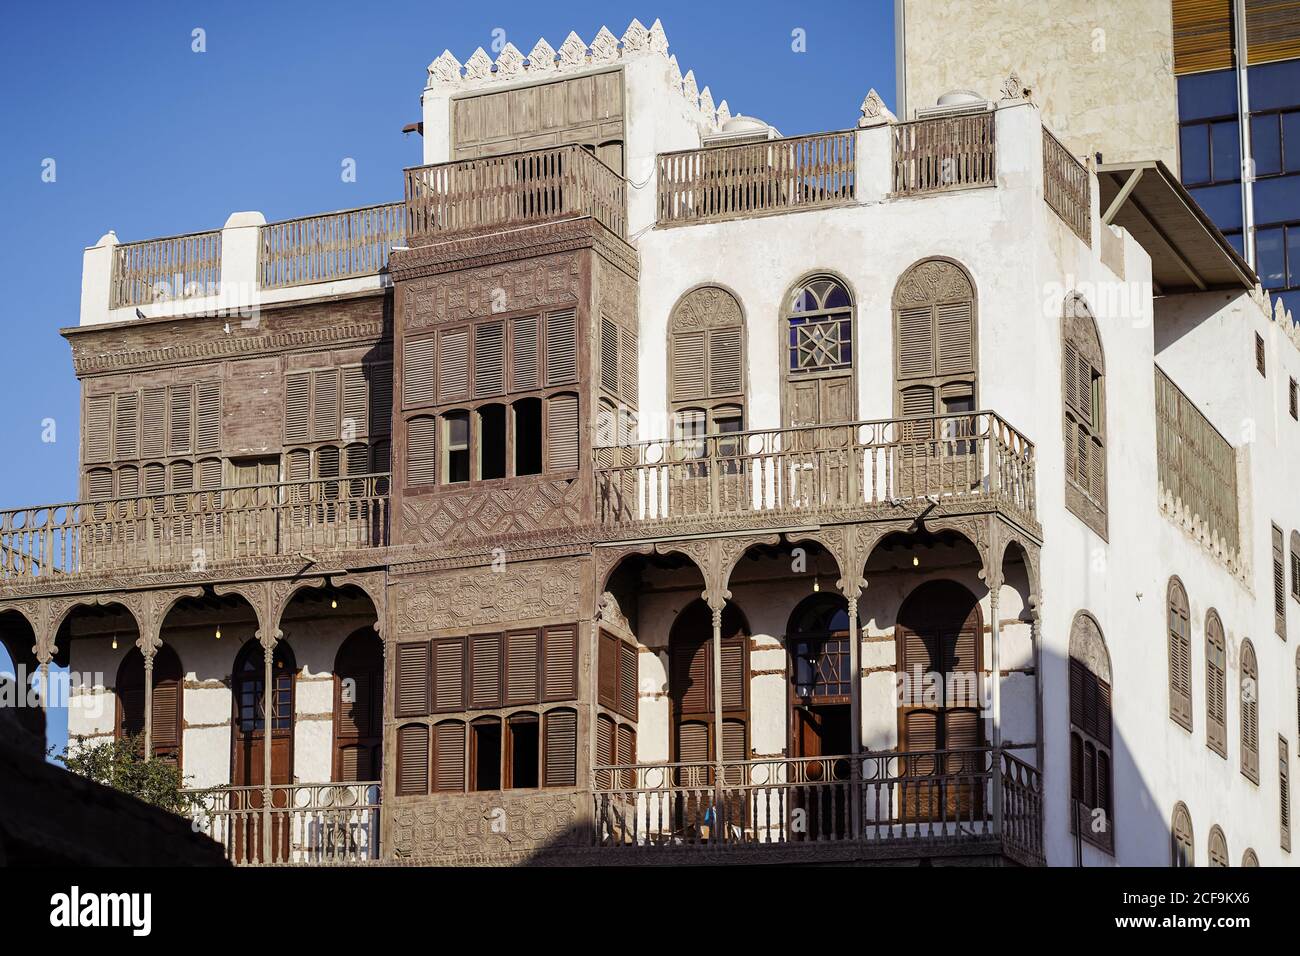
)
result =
(876, 804)
(1067, 187)
(335, 245)
(773, 176)
(193, 530)
(317, 824)
(945, 153)
(174, 267)
(511, 190)
(974, 460)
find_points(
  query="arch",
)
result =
(939, 632)
(690, 684)
(359, 707)
(167, 706)
(1178, 630)
(1182, 845)
(936, 343)
(1083, 379)
(248, 722)
(1218, 847)
(1249, 859)
(707, 368)
(18, 636)
(1091, 761)
(1295, 565)
(818, 350)
(1249, 704)
(1216, 685)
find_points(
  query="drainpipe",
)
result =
(1243, 125)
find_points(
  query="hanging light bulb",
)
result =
(218, 632)
(114, 642)
(817, 585)
(916, 562)
(334, 603)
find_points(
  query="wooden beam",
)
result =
(1122, 196)
(1173, 251)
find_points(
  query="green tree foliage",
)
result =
(120, 764)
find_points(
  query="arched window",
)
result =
(1295, 565)
(1249, 859)
(935, 346)
(818, 345)
(166, 707)
(1180, 655)
(1084, 367)
(359, 707)
(690, 685)
(1249, 712)
(1182, 847)
(1218, 847)
(1090, 734)
(1216, 685)
(250, 724)
(706, 362)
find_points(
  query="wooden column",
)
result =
(268, 699)
(717, 831)
(995, 665)
(148, 702)
(855, 716)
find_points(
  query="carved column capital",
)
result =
(150, 609)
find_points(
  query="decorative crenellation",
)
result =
(575, 54)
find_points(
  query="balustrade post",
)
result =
(855, 718)
(148, 650)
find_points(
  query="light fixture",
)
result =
(114, 642)
(218, 632)
(817, 585)
(916, 562)
(334, 603)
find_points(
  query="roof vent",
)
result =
(955, 103)
(741, 129)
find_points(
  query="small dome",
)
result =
(959, 98)
(745, 124)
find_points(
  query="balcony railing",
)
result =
(336, 245)
(947, 152)
(194, 529)
(318, 823)
(875, 799)
(974, 458)
(781, 175)
(1067, 187)
(515, 189)
(175, 267)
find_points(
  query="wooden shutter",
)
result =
(297, 405)
(608, 356)
(690, 676)
(325, 405)
(1184, 847)
(562, 432)
(128, 482)
(1218, 848)
(126, 432)
(628, 371)
(153, 423)
(956, 353)
(99, 428)
(607, 671)
(1180, 657)
(559, 668)
(725, 365)
(523, 353)
(182, 419)
(692, 742)
(626, 748)
(412, 759)
(1272, 31)
(380, 398)
(449, 757)
(915, 342)
(485, 670)
(606, 754)
(1261, 363)
(1279, 583)
(412, 679)
(1216, 704)
(449, 674)
(166, 703)
(628, 657)
(298, 465)
(689, 366)
(561, 347)
(356, 461)
(735, 742)
(489, 358)
(1202, 35)
(182, 476)
(356, 403)
(523, 662)
(1249, 712)
(155, 479)
(418, 365)
(99, 484)
(422, 451)
(560, 729)
(453, 365)
(208, 432)
(734, 673)
(1284, 791)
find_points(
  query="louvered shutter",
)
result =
(128, 482)
(153, 423)
(692, 742)
(1180, 664)
(99, 484)
(130, 696)
(627, 680)
(356, 403)
(166, 713)
(609, 356)
(356, 461)
(956, 338)
(485, 670)
(1279, 583)
(607, 692)
(523, 353)
(689, 361)
(1184, 848)
(489, 359)
(353, 714)
(734, 677)
(418, 365)
(915, 342)
(421, 451)
(606, 754)
(449, 675)
(182, 419)
(182, 476)
(298, 466)
(559, 677)
(412, 759)
(725, 372)
(297, 405)
(412, 679)
(208, 432)
(1215, 687)
(626, 749)
(380, 398)
(918, 401)
(453, 365)
(1202, 35)
(1076, 761)
(126, 431)
(1249, 713)
(1077, 672)
(1272, 31)
(562, 432)
(325, 405)
(449, 757)
(561, 743)
(628, 372)
(328, 464)
(522, 664)
(1284, 791)
(1071, 364)
(99, 428)
(561, 347)
(690, 676)
(155, 479)
(735, 746)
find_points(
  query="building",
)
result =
(644, 486)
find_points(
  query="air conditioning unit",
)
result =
(955, 103)
(741, 129)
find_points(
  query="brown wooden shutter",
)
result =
(692, 742)
(561, 746)
(562, 432)
(1249, 697)
(626, 747)
(356, 461)
(297, 407)
(412, 759)
(453, 365)
(99, 484)
(449, 757)
(734, 676)
(418, 365)
(1072, 386)
(559, 675)
(1293, 400)
(956, 353)
(412, 679)
(126, 432)
(690, 676)
(561, 347)
(1272, 31)
(298, 465)
(1184, 846)
(607, 671)
(1279, 583)
(1180, 658)
(153, 423)
(356, 403)
(489, 359)
(1284, 791)
(208, 432)
(606, 754)
(128, 482)
(182, 476)
(725, 366)
(380, 398)
(628, 371)
(608, 356)
(1261, 357)
(485, 670)
(1202, 35)
(325, 405)
(449, 674)
(523, 659)
(915, 342)
(99, 428)
(422, 451)
(155, 479)
(735, 740)
(166, 702)
(1216, 705)
(182, 419)
(689, 358)
(523, 353)
(627, 680)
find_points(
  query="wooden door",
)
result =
(250, 740)
(250, 518)
(358, 708)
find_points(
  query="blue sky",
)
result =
(150, 138)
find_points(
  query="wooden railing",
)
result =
(947, 152)
(974, 457)
(1067, 187)
(336, 245)
(1195, 464)
(176, 267)
(194, 529)
(876, 798)
(780, 175)
(318, 823)
(514, 189)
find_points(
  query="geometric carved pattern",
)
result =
(514, 286)
(477, 515)
(482, 596)
(933, 281)
(484, 829)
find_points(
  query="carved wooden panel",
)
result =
(478, 514)
(485, 828)
(481, 596)
(537, 283)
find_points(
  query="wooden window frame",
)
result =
(849, 372)
(1216, 684)
(708, 311)
(932, 284)
(1248, 704)
(1181, 813)
(1084, 419)
(1284, 792)
(1183, 612)
(620, 656)
(1261, 356)
(1279, 583)
(1091, 733)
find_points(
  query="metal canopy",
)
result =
(1188, 252)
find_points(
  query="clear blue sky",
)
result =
(152, 139)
